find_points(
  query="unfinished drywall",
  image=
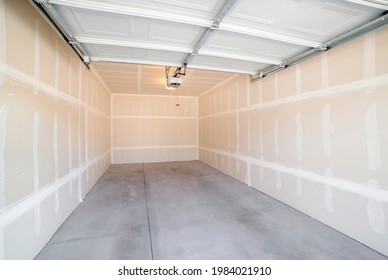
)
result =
(313, 136)
(54, 130)
(153, 128)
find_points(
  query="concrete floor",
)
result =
(188, 210)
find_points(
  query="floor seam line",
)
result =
(148, 214)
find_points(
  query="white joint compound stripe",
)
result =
(27, 80)
(36, 58)
(340, 184)
(17, 209)
(327, 130)
(349, 88)
(154, 147)
(375, 211)
(155, 117)
(372, 138)
(2, 42)
(299, 136)
(369, 61)
(3, 138)
(329, 192)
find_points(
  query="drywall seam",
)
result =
(341, 184)
(153, 95)
(351, 87)
(299, 136)
(327, 130)
(153, 117)
(372, 138)
(35, 156)
(3, 138)
(36, 58)
(2, 43)
(154, 147)
(369, 61)
(19, 76)
(17, 209)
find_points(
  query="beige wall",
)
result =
(151, 128)
(54, 131)
(313, 136)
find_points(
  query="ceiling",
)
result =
(231, 36)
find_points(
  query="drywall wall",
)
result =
(153, 128)
(313, 136)
(54, 131)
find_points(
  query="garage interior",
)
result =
(217, 129)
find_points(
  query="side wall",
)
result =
(150, 128)
(54, 131)
(313, 136)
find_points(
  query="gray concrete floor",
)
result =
(188, 210)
